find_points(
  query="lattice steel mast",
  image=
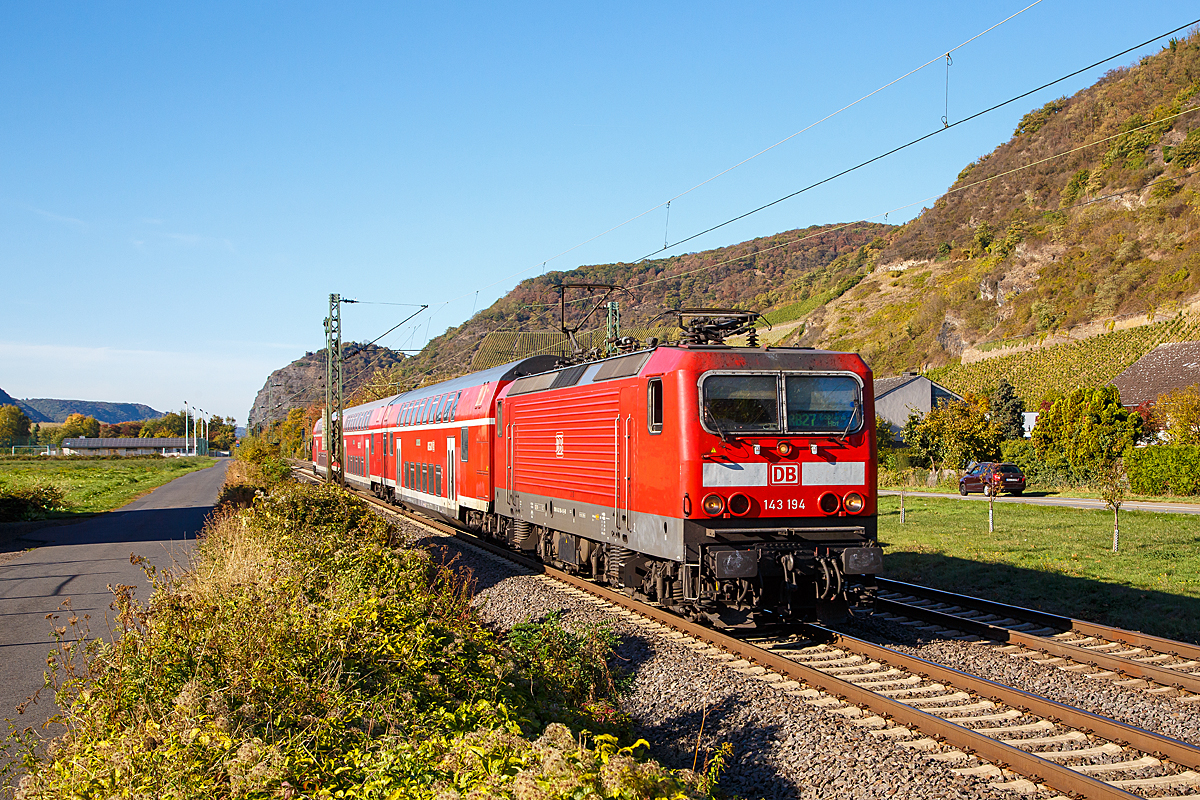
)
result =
(333, 392)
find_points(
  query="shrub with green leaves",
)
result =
(1164, 470)
(306, 655)
(29, 502)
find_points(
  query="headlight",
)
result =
(713, 505)
(784, 448)
(853, 503)
(829, 503)
(739, 505)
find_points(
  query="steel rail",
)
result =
(1164, 675)
(1131, 638)
(1028, 764)
(1111, 729)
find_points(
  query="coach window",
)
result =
(462, 448)
(437, 476)
(654, 405)
(454, 406)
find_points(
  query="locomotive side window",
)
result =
(742, 403)
(654, 405)
(823, 404)
(500, 420)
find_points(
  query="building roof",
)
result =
(1166, 367)
(149, 441)
(885, 385)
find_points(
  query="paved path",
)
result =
(1064, 502)
(79, 562)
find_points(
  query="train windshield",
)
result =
(823, 404)
(741, 403)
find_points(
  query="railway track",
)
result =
(1025, 742)
(1129, 658)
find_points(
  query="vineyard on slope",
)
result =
(1052, 371)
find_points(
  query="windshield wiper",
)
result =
(853, 416)
(725, 437)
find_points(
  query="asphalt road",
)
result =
(1064, 502)
(78, 563)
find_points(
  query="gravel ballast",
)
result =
(783, 747)
(1159, 713)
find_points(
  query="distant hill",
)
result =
(34, 415)
(59, 410)
(1088, 216)
(302, 383)
(788, 273)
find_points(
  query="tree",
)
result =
(121, 430)
(1111, 483)
(222, 433)
(14, 426)
(78, 425)
(953, 433)
(1177, 414)
(1008, 411)
(172, 424)
(1087, 431)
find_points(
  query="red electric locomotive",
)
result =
(733, 483)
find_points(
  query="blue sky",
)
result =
(182, 185)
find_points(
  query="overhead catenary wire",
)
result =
(918, 140)
(952, 190)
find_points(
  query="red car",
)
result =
(990, 477)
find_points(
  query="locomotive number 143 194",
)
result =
(787, 504)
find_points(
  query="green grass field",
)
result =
(1054, 559)
(96, 484)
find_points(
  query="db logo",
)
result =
(558, 445)
(785, 474)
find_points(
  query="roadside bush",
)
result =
(29, 502)
(265, 466)
(1161, 469)
(305, 656)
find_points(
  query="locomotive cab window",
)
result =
(654, 405)
(740, 403)
(823, 404)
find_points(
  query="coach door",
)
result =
(451, 472)
(400, 467)
(624, 447)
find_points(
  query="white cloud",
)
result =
(220, 382)
(78, 224)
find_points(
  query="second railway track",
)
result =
(1131, 658)
(1025, 742)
